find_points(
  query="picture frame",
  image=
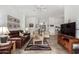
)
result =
(51, 25)
(12, 22)
(31, 25)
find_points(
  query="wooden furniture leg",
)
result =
(14, 46)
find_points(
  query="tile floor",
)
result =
(56, 48)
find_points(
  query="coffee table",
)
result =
(40, 38)
(14, 46)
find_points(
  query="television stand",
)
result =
(67, 42)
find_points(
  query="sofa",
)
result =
(5, 48)
(20, 40)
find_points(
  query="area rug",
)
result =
(38, 46)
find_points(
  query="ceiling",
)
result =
(34, 10)
(49, 10)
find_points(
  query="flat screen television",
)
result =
(69, 29)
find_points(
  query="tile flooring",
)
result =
(56, 48)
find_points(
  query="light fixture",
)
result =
(41, 23)
(27, 29)
(4, 30)
(4, 34)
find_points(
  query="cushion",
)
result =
(7, 43)
(20, 34)
(26, 36)
(8, 36)
(15, 38)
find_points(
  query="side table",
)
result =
(14, 46)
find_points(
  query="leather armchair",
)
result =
(14, 36)
(5, 48)
(20, 40)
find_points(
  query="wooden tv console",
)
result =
(67, 42)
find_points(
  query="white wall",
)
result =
(31, 19)
(22, 22)
(56, 22)
(71, 13)
(9, 10)
(23, 16)
(2, 18)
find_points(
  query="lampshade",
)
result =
(4, 30)
(41, 23)
(27, 29)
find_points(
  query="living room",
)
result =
(35, 29)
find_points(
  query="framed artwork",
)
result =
(12, 22)
(51, 25)
(31, 25)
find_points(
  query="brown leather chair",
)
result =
(5, 48)
(20, 40)
(14, 36)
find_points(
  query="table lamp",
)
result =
(3, 34)
(41, 23)
(27, 30)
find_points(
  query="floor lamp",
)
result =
(3, 34)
